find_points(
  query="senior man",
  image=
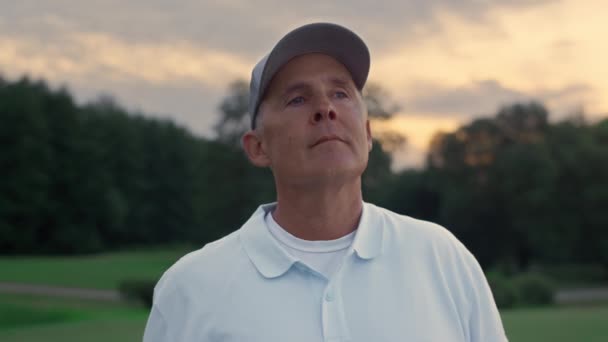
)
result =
(320, 264)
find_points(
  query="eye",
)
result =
(341, 95)
(296, 101)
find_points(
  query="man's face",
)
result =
(314, 125)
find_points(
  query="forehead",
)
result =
(309, 67)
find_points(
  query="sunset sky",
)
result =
(445, 62)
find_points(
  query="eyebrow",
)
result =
(295, 87)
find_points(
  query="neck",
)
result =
(325, 213)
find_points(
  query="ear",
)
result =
(252, 144)
(370, 139)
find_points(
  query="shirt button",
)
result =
(329, 296)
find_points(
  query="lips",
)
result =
(325, 139)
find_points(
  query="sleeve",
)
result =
(171, 316)
(156, 327)
(484, 323)
(167, 308)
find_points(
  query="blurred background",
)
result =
(119, 153)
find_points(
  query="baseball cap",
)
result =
(326, 38)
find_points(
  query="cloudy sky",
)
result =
(444, 61)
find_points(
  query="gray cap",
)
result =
(329, 39)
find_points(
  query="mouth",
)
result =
(326, 138)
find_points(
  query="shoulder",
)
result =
(401, 226)
(210, 270)
(427, 242)
(434, 249)
(200, 269)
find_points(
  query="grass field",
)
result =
(27, 318)
(100, 271)
(581, 324)
(33, 318)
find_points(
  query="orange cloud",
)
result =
(531, 50)
(418, 130)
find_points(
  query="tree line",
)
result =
(79, 179)
(516, 188)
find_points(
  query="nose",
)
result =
(325, 111)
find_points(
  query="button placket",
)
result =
(334, 320)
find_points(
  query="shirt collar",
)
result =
(273, 261)
(369, 239)
(261, 248)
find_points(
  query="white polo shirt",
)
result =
(401, 280)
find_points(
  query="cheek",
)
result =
(354, 118)
(352, 110)
(280, 142)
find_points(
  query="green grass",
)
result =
(103, 330)
(32, 318)
(101, 271)
(12, 316)
(585, 323)
(76, 320)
